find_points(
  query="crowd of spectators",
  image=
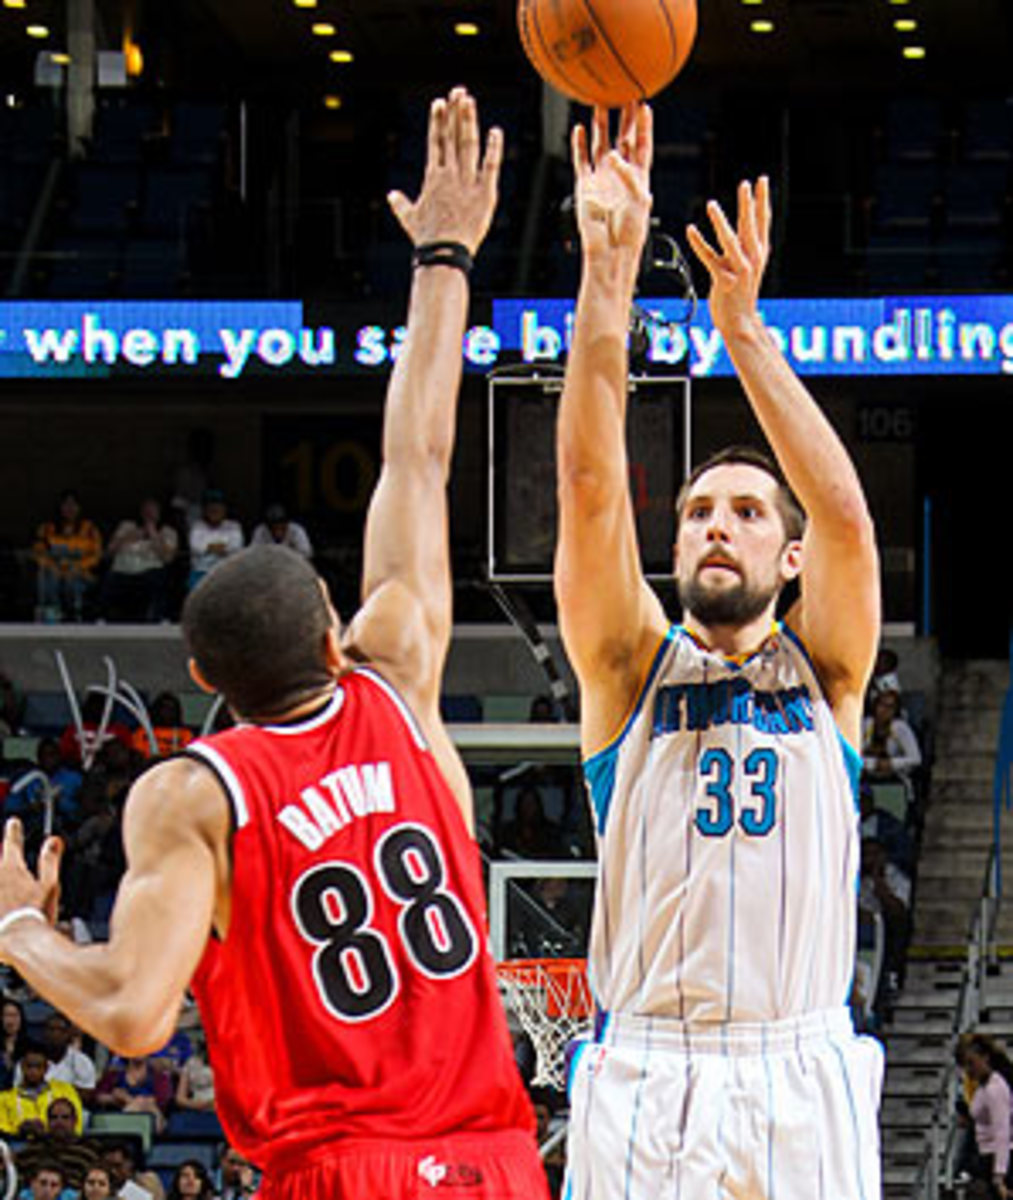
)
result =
(149, 561)
(892, 793)
(57, 1087)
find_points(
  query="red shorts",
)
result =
(492, 1166)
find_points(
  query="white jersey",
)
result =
(728, 842)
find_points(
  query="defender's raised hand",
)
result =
(461, 184)
(613, 183)
(21, 891)
(737, 265)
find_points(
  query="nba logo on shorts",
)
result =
(433, 1172)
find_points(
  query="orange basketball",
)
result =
(607, 52)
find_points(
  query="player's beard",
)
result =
(728, 607)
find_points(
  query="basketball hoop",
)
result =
(551, 998)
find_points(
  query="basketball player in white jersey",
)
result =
(721, 754)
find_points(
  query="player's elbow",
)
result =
(134, 1028)
(848, 523)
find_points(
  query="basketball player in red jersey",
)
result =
(312, 870)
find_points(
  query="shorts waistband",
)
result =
(446, 1145)
(785, 1036)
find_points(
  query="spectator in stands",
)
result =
(29, 796)
(130, 1180)
(278, 529)
(886, 829)
(64, 780)
(67, 552)
(140, 551)
(13, 1039)
(67, 1061)
(134, 1085)
(46, 1182)
(195, 1090)
(531, 834)
(237, 1177)
(990, 1112)
(61, 1144)
(542, 711)
(174, 1055)
(12, 704)
(81, 747)
(191, 1181)
(23, 1107)
(890, 749)
(884, 676)
(213, 536)
(545, 1103)
(886, 890)
(171, 735)
(94, 861)
(98, 1184)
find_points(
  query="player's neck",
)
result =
(731, 641)
(306, 707)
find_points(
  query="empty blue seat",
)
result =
(185, 1125)
(167, 1156)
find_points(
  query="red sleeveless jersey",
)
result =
(354, 996)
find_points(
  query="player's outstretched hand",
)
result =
(19, 888)
(613, 183)
(737, 265)
(461, 184)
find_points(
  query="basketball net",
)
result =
(551, 998)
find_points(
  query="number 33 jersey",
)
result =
(353, 996)
(728, 838)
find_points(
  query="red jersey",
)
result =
(354, 996)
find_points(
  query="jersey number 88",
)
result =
(333, 904)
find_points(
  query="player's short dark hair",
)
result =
(792, 513)
(256, 626)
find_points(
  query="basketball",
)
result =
(607, 52)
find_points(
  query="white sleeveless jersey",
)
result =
(728, 842)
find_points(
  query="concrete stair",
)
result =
(956, 841)
(919, 1047)
(958, 830)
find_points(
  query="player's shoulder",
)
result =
(389, 634)
(179, 793)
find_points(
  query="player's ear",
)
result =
(333, 656)
(791, 560)
(198, 678)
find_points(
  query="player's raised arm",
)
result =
(610, 618)
(838, 616)
(127, 992)
(406, 619)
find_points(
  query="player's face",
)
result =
(732, 557)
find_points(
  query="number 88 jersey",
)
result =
(353, 996)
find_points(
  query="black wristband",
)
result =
(443, 254)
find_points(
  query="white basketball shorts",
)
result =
(785, 1110)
